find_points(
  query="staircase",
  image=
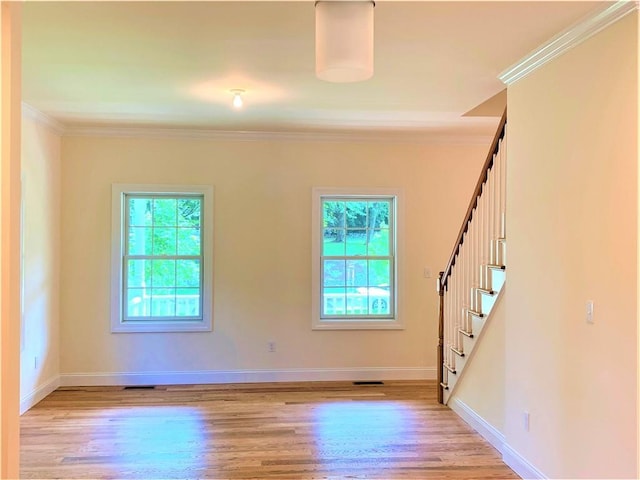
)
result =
(476, 271)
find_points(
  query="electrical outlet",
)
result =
(271, 346)
(427, 272)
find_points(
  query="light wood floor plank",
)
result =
(318, 430)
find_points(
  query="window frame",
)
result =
(120, 324)
(365, 322)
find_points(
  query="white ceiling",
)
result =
(173, 64)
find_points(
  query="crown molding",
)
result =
(567, 39)
(368, 136)
(361, 136)
(35, 114)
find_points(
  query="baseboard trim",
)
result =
(521, 465)
(31, 399)
(246, 376)
(513, 459)
(490, 433)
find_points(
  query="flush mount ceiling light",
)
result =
(237, 97)
(344, 40)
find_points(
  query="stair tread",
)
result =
(497, 267)
(465, 333)
(485, 291)
(475, 313)
(457, 352)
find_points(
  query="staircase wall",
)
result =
(572, 222)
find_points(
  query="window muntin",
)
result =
(162, 264)
(357, 258)
(163, 257)
(354, 281)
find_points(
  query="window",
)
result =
(162, 239)
(355, 268)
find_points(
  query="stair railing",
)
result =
(479, 245)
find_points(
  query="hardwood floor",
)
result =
(319, 430)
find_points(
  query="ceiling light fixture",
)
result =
(237, 97)
(344, 40)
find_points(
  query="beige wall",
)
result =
(572, 237)
(41, 257)
(262, 282)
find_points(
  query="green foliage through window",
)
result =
(357, 257)
(163, 257)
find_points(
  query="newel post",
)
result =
(440, 360)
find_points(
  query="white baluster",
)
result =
(445, 356)
(448, 323)
(462, 294)
(504, 186)
(472, 259)
(486, 195)
(501, 182)
(489, 193)
(454, 278)
(467, 288)
(481, 242)
(474, 262)
(495, 215)
(461, 297)
(456, 304)
(451, 309)
(445, 333)
(460, 303)
(498, 196)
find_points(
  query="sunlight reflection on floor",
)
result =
(155, 439)
(361, 430)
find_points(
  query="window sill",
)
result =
(357, 325)
(160, 327)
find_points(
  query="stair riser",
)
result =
(477, 323)
(487, 302)
(498, 278)
(467, 344)
(501, 250)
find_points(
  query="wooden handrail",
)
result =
(495, 145)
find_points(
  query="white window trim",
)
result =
(319, 323)
(118, 192)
